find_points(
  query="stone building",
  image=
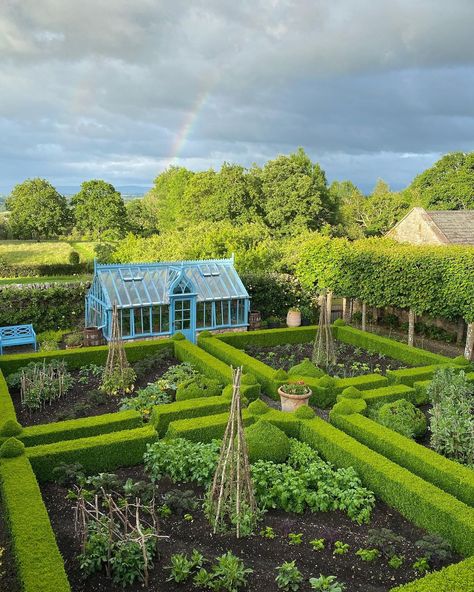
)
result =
(435, 227)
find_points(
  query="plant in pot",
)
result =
(293, 318)
(294, 395)
(74, 340)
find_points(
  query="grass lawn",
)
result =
(45, 279)
(18, 252)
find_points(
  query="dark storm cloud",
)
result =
(105, 89)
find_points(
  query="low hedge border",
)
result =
(163, 415)
(80, 428)
(428, 464)
(211, 366)
(203, 429)
(269, 337)
(7, 409)
(97, 453)
(287, 422)
(412, 356)
(390, 393)
(39, 562)
(458, 577)
(81, 356)
(365, 382)
(421, 502)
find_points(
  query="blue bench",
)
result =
(17, 335)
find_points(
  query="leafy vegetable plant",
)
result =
(288, 577)
(340, 548)
(327, 584)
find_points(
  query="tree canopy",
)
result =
(37, 211)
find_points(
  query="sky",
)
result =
(122, 89)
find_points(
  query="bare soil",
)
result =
(260, 554)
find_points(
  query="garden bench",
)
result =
(17, 335)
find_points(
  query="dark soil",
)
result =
(8, 579)
(261, 554)
(83, 400)
(351, 361)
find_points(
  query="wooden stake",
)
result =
(469, 341)
(411, 327)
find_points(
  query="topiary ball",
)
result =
(348, 407)
(305, 412)
(339, 323)
(267, 442)
(205, 334)
(11, 448)
(198, 387)
(327, 382)
(248, 379)
(403, 417)
(258, 407)
(351, 393)
(178, 337)
(461, 361)
(10, 428)
(280, 374)
(306, 368)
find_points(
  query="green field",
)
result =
(16, 252)
(45, 279)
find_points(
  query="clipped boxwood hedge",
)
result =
(458, 577)
(203, 429)
(269, 337)
(7, 409)
(409, 376)
(428, 464)
(266, 442)
(163, 415)
(390, 393)
(97, 453)
(84, 427)
(75, 358)
(421, 502)
(39, 563)
(364, 383)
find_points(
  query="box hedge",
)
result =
(458, 577)
(409, 376)
(424, 462)
(390, 393)
(7, 409)
(269, 337)
(364, 383)
(39, 563)
(266, 442)
(80, 428)
(418, 500)
(97, 453)
(203, 429)
(163, 415)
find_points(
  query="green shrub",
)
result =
(266, 442)
(348, 406)
(248, 379)
(327, 382)
(269, 337)
(461, 361)
(351, 393)
(306, 368)
(364, 383)
(403, 417)
(203, 429)
(305, 412)
(446, 474)
(10, 428)
(388, 394)
(178, 337)
(204, 334)
(11, 448)
(74, 258)
(40, 567)
(280, 375)
(258, 407)
(454, 578)
(339, 323)
(198, 387)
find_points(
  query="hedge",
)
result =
(431, 466)
(458, 577)
(287, 422)
(412, 356)
(266, 442)
(390, 393)
(409, 376)
(210, 366)
(97, 453)
(421, 502)
(39, 562)
(364, 383)
(163, 415)
(203, 429)
(269, 337)
(77, 357)
(7, 409)
(40, 269)
(80, 428)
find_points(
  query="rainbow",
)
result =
(187, 125)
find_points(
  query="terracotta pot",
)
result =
(293, 318)
(292, 402)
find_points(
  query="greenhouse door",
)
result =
(183, 317)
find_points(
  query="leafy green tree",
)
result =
(296, 194)
(448, 184)
(350, 207)
(383, 209)
(138, 220)
(99, 210)
(37, 211)
(163, 204)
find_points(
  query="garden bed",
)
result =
(261, 554)
(351, 361)
(84, 399)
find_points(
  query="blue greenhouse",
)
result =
(159, 299)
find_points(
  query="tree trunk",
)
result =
(469, 341)
(345, 309)
(460, 331)
(329, 305)
(411, 326)
(364, 316)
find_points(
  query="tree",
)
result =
(163, 204)
(37, 211)
(296, 194)
(350, 207)
(448, 184)
(138, 221)
(99, 210)
(384, 208)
